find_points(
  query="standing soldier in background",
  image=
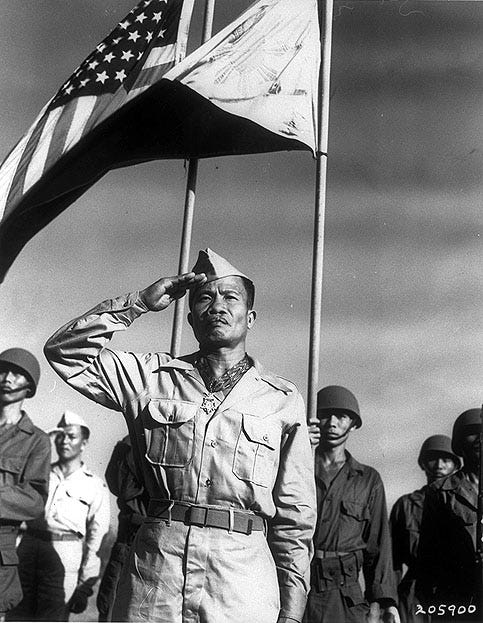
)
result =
(24, 465)
(125, 484)
(448, 582)
(58, 554)
(224, 452)
(352, 532)
(437, 460)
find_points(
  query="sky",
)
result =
(402, 296)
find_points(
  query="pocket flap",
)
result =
(76, 495)
(10, 464)
(354, 509)
(466, 515)
(259, 431)
(9, 557)
(353, 594)
(167, 411)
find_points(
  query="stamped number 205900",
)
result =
(442, 609)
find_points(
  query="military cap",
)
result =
(215, 267)
(23, 359)
(466, 423)
(437, 444)
(69, 418)
(338, 398)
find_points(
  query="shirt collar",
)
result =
(55, 467)
(25, 424)
(454, 481)
(187, 363)
(353, 465)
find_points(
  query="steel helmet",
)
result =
(437, 444)
(23, 359)
(470, 418)
(337, 398)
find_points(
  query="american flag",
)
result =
(137, 53)
(251, 88)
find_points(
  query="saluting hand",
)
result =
(163, 292)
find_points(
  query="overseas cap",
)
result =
(470, 418)
(437, 444)
(24, 360)
(337, 398)
(69, 418)
(215, 267)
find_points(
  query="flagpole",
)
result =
(325, 17)
(189, 207)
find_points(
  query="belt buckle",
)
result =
(197, 516)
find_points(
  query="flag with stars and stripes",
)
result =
(41, 169)
(251, 88)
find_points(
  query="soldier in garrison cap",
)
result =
(59, 564)
(438, 460)
(352, 533)
(447, 573)
(223, 453)
(24, 465)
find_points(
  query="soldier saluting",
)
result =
(223, 449)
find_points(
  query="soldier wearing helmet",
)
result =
(24, 466)
(352, 533)
(447, 569)
(438, 460)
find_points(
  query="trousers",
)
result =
(336, 595)
(110, 579)
(48, 574)
(10, 588)
(177, 573)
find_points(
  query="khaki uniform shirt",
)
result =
(78, 503)
(248, 451)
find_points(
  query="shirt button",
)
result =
(208, 482)
(213, 443)
(265, 438)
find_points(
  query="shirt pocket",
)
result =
(464, 515)
(10, 471)
(354, 510)
(170, 431)
(71, 509)
(8, 551)
(255, 450)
